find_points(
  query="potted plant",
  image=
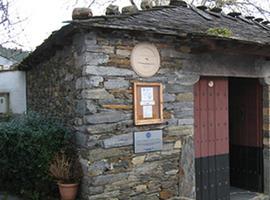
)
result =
(67, 171)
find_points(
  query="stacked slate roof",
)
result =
(183, 20)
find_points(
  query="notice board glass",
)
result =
(148, 103)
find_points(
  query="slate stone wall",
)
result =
(51, 85)
(105, 132)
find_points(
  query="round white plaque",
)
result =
(145, 59)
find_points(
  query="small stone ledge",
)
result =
(107, 117)
(180, 198)
(107, 71)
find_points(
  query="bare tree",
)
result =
(4, 13)
(8, 22)
(248, 7)
(260, 8)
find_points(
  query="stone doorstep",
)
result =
(239, 194)
(180, 198)
(246, 196)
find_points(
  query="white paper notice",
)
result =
(147, 112)
(147, 96)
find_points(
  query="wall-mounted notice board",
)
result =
(148, 103)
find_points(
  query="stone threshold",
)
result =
(236, 194)
(240, 194)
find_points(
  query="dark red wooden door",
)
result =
(246, 143)
(211, 139)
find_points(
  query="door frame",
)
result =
(265, 82)
(252, 143)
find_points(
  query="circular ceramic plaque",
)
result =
(145, 59)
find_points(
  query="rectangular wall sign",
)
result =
(148, 103)
(148, 141)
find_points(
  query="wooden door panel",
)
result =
(211, 139)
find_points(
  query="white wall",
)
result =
(13, 82)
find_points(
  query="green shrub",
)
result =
(27, 145)
(6, 117)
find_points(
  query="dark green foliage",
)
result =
(27, 145)
(6, 117)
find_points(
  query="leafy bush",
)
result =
(6, 117)
(27, 145)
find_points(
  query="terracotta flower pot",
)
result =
(68, 191)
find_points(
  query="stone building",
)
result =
(214, 70)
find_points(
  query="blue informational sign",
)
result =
(148, 141)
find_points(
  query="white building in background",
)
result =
(12, 82)
(5, 63)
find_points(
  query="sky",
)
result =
(41, 17)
